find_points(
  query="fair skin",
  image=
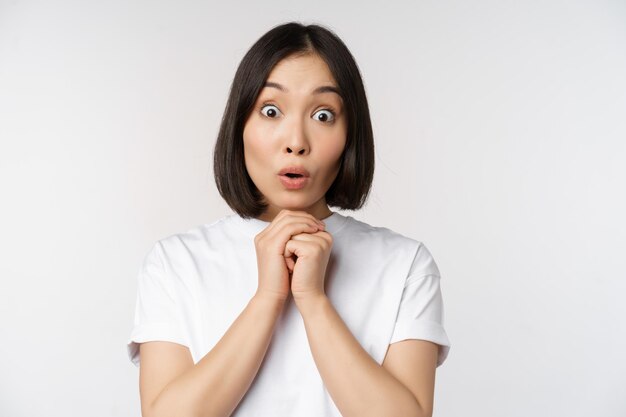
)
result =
(294, 122)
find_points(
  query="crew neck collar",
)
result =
(252, 227)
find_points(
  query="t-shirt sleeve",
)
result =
(421, 315)
(157, 313)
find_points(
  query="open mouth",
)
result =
(294, 180)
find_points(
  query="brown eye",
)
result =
(269, 110)
(324, 116)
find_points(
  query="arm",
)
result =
(172, 386)
(358, 385)
(217, 383)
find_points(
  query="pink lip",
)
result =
(294, 170)
(293, 183)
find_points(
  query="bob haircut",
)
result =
(351, 187)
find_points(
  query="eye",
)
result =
(269, 110)
(324, 115)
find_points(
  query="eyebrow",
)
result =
(318, 90)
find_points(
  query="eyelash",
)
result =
(331, 111)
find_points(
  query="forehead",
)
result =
(301, 72)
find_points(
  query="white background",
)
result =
(501, 144)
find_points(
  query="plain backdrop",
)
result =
(500, 131)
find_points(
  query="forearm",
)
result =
(358, 385)
(218, 382)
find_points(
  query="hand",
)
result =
(273, 267)
(312, 251)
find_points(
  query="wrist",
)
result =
(265, 297)
(310, 303)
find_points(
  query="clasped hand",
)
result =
(292, 256)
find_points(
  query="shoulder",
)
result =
(194, 241)
(390, 244)
(199, 233)
(360, 231)
(178, 260)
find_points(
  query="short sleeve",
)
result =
(421, 314)
(157, 315)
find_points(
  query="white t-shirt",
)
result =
(193, 285)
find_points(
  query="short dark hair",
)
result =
(351, 187)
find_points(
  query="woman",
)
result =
(287, 308)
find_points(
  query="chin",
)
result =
(293, 203)
(294, 206)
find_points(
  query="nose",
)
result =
(300, 150)
(297, 141)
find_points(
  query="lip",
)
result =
(293, 183)
(294, 170)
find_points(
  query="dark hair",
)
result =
(351, 187)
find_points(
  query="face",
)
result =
(298, 125)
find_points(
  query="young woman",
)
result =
(287, 308)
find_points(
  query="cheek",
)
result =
(253, 144)
(336, 147)
(333, 153)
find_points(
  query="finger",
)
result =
(274, 221)
(288, 230)
(293, 248)
(288, 216)
(308, 237)
(320, 236)
(309, 244)
(304, 248)
(286, 212)
(290, 263)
